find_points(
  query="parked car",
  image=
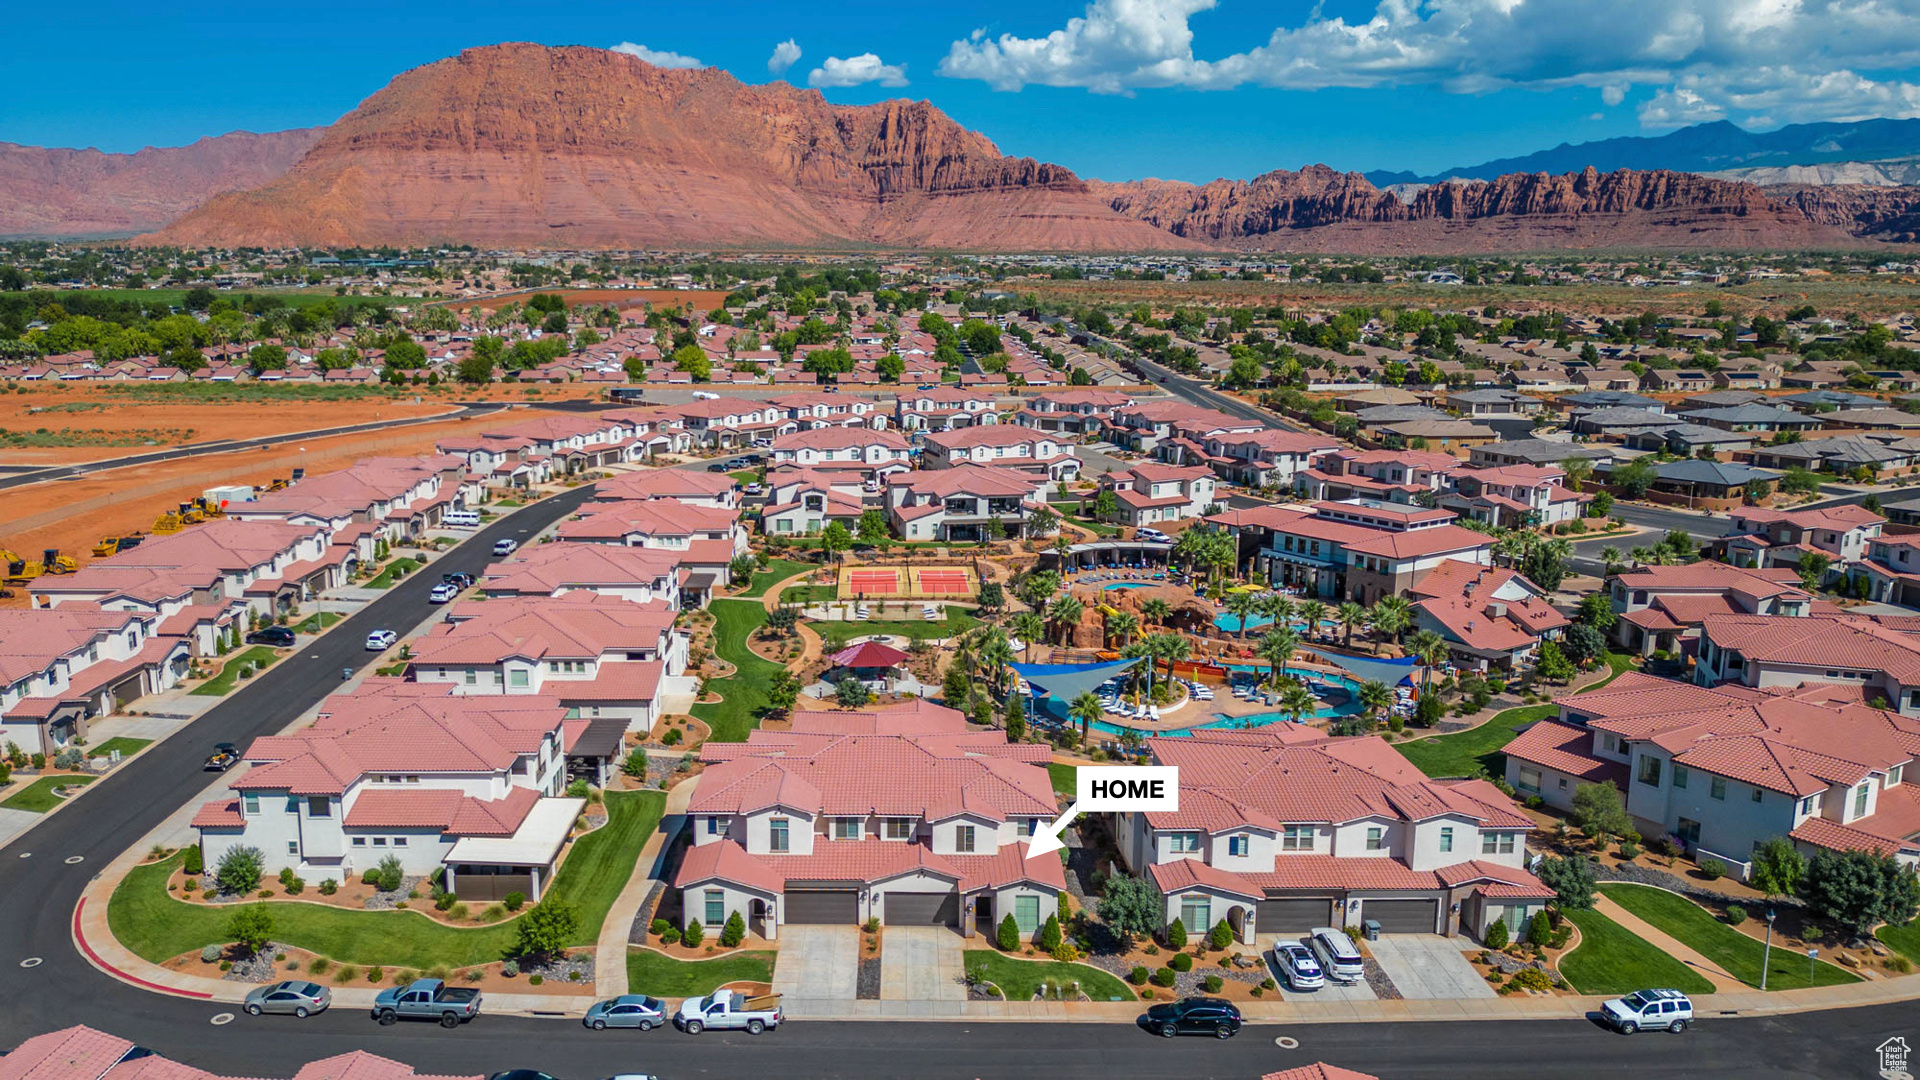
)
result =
(763, 443)
(443, 593)
(225, 756)
(427, 999)
(1195, 1016)
(728, 1010)
(628, 1011)
(1297, 966)
(520, 1074)
(718, 466)
(459, 579)
(277, 636)
(302, 999)
(506, 547)
(740, 463)
(1338, 957)
(753, 489)
(1649, 1010)
(381, 640)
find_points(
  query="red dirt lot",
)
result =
(703, 300)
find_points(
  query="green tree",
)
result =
(1596, 610)
(734, 932)
(1859, 890)
(1635, 478)
(851, 693)
(547, 928)
(1350, 615)
(873, 526)
(1799, 481)
(238, 872)
(1105, 505)
(1177, 934)
(406, 355)
(636, 369)
(267, 358)
(690, 359)
(1778, 868)
(1597, 810)
(1813, 567)
(250, 927)
(1552, 664)
(782, 691)
(475, 368)
(1131, 907)
(835, 539)
(1086, 709)
(1050, 934)
(1375, 698)
(1008, 936)
(1572, 881)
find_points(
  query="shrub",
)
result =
(547, 928)
(734, 932)
(1213, 984)
(473, 974)
(514, 901)
(1539, 929)
(320, 966)
(1899, 965)
(250, 926)
(670, 936)
(346, 974)
(188, 885)
(1712, 869)
(1064, 953)
(671, 738)
(1496, 936)
(1177, 934)
(388, 877)
(511, 969)
(239, 870)
(371, 877)
(374, 974)
(210, 953)
(444, 900)
(535, 980)
(328, 887)
(1220, 936)
(292, 882)
(694, 934)
(1050, 934)
(1531, 979)
(1008, 935)
(459, 911)
(1180, 962)
(195, 863)
(658, 927)
(1138, 976)
(871, 926)
(1629, 848)
(1736, 914)
(1163, 977)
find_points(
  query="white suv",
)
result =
(1649, 1009)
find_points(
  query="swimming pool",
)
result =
(1229, 623)
(1343, 701)
(1127, 585)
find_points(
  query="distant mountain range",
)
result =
(1703, 148)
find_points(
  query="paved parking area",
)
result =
(818, 963)
(1332, 991)
(922, 963)
(1428, 966)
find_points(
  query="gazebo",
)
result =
(871, 662)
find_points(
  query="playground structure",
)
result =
(937, 581)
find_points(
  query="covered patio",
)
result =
(490, 867)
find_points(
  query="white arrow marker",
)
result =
(1121, 788)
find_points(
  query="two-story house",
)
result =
(1398, 476)
(1491, 617)
(1659, 607)
(1515, 496)
(638, 574)
(900, 815)
(1266, 458)
(1758, 536)
(1073, 412)
(1281, 830)
(718, 490)
(944, 408)
(1878, 662)
(962, 503)
(62, 667)
(1151, 492)
(1007, 446)
(706, 538)
(1356, 549)
(861, 449)
(802, 501)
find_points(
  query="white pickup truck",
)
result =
(728, 1010)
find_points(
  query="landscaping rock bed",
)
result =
(1383, 987)
(258, 968)
(1661, 879)
(387, 901)
(984, 991)
(576, 968)
(867, 984)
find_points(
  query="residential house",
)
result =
(866, 450)
(1516, 496)
(1150, 492)
(1355, 549)
(1481, 403)
(83, 1053)
(1075, 411)
(1006, 446)
(963, 503)
(1492, 618)
(62, 667)
(802, 501)
(945, 408)
(1757, 536)
(1661, 608)
(638, 574)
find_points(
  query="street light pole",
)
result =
(1766, 954)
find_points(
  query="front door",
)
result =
(1689, 833)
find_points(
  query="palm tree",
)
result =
(1156, 611)
(1065, 611)
(1610, 555)
(1221, 551)
(1350, 615)
(1276, 648)
(1028, 626)
(1123, 625)
(1086, 709)
(1390, 615)
(1296, 700)
(1640, 555)
(1375, 698)
(1172, 648)
(1429, 648)
(1139, 650)
(1188, 547)
(1243, 605)
(996, 653)
(1314, 612)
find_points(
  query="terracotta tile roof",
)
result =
(627, 680)
(921, 776)
(1820, 641)
(1342, 872)
(1834, 836)
(1180, 874)
(1318, 1071)
(443, 808)
(575, 625)
(219, 814)
(1434, 540)
(1563, 748)
(548, 568)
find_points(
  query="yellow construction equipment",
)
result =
(53, 562)
(210, 507)
(168, 522)
(113, 545)
(279, 483)
(19, 571)
(191, 514)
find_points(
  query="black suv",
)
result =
(277, 636)
(1195, 1016)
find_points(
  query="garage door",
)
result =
(126, 691)
(1402, 916)
(823, 906)
(922, 909)
(1295, 916)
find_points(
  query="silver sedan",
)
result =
(302, 999)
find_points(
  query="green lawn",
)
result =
(1614, 960)
(776, 570)
(746, 476)
(746, 691)
(1461, 753)
(809, 594)
(1621, 663)
(394, 571)
(156, 926)
(1018, 979)
(1064, 777)
(649, 972)
(316, 622)
(222, 684)
(1904, 940)
(836, 634)
(1098, 528)
(126, 745)
(1695, 927)
(38, 796)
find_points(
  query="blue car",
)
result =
(627, 1010)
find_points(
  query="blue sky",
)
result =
(1116, 89)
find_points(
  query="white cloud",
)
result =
(784, 54)
(857, 70)
(656, 58)
(1704, 58)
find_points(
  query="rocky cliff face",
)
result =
(1317, 209)
(53, 192)
(523, 145)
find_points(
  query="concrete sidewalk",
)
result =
(1722, 981)
(610, 952)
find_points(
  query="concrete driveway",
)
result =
(818, 963)
(1428, 966)
(1332, 991)
(921, 963)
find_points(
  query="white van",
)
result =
(1339, 957)
(461, 519)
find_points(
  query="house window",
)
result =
(517, 677)
(319, 806)
(1196, 913)
(399, 841)
(1496, 843)
(846, 828)
(1026, 913)
(359, 841)
(1376, 838)
(293, 804)
(471, 676)
(718, 826)
(1238, 845)
(1718, 789)
(379, 841)
(899, 828)
(1297, 838)
(1859, 800)
(777, 834)
(1758, 795)
(250, 804)
(1183, 842)
(1529, 779)
(1806, 805)
(1446, 839)
(963, 839)
(293, 847)
(716, 907)
(1649, 770)
(1679, 775)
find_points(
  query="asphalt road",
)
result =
(41, 888)
(225, 446)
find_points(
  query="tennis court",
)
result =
(872, 581)
(908, 583)
(946, 581)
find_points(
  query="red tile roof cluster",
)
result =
(1485, 607)
(546, 569)
(83, 1053)
(572, 626)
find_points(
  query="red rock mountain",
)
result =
(527, 146)
(1318, 209)
(53, 192)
